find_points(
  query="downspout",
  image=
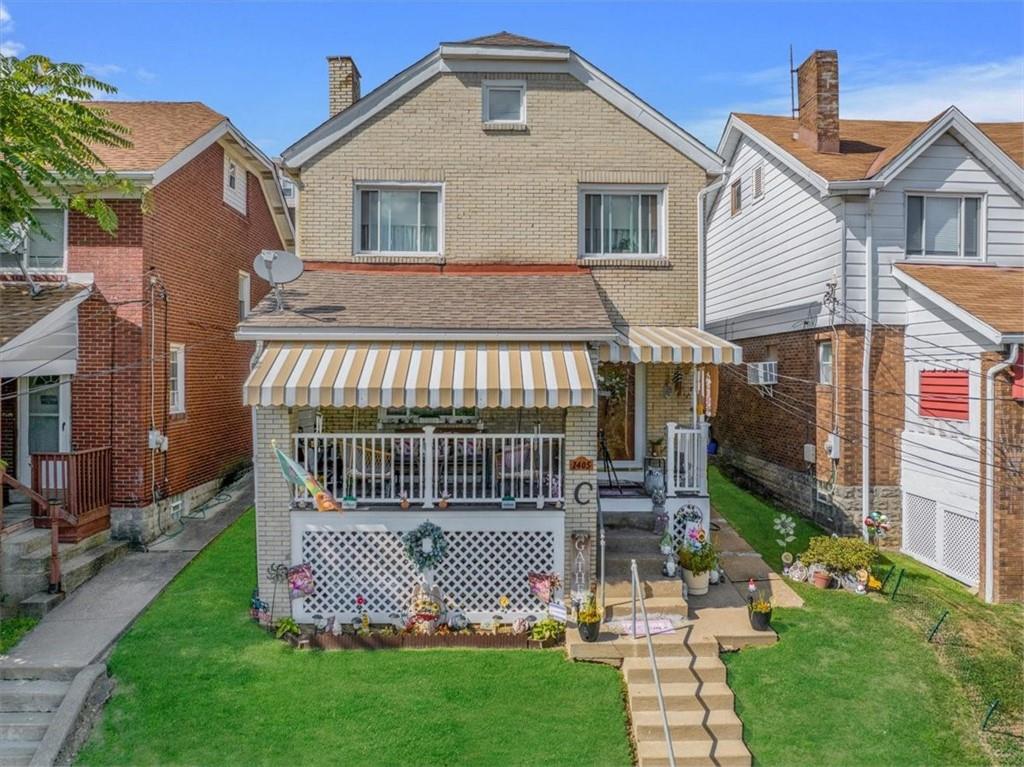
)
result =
(702, 247)
(865, 369)
(990, 454)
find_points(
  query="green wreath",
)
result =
(414, 549)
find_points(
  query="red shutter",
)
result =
(944, 394)
(1018, 376)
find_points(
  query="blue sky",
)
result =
(262, 63)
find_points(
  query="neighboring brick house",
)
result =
(501, 254)
(128, 344)
(788, 229)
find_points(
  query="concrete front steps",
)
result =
(27, 708)
(26, 566)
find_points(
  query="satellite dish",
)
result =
(278, 267)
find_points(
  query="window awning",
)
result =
(659, 343)
(410, 374)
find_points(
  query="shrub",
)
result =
(839, 555)
(698, 560)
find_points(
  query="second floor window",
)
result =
(176, 378)
(34, 250)
(942, 226)
(618, 223)
(825, 362)
(399, 220)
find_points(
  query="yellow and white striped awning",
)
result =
(411, 374)
(657, 343)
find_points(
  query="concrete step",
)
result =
(625, 540)
(621, 587)
(78, 570)
(24, 725)
(694, 753)
(655, 606)
(15, 753)
(39, 604)
(635, 520)
(50, 673)
(37, 556)
(707, 669)
(23, 695)
(681, 696)
(688, 725)
(613, 646)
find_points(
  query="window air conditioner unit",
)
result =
(763, 373)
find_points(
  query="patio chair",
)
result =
(366, 465)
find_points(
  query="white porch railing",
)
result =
(687, 463)
(467, 468)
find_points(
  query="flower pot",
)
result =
(822, 579)
(696, 584)
(760, 621)
(590, 631)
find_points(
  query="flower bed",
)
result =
(426, 641)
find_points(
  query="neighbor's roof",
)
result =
(332, 297)
(866, 146)
(19, 310)
(993, 294)
(510, 39)
(159, 130)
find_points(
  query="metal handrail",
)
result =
(635, 586)
(601, 543)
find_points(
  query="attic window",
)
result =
(234, 184)
(504, 103)
(736, 195)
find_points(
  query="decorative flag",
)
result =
(297, 474)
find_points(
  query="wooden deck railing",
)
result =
(80, 482)
(54, 513)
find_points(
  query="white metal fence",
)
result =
(360, 554)
(687, 466)
(465, 468)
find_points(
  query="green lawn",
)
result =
(200, 684)
(13, 629)
(853, 680)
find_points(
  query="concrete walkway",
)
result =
(81, 630)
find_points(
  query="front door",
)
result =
(616, 412)
(44, 409)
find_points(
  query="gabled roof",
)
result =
(20, 310)
(874, 150)
(988, 298)
(508, 38)
(166, 135)
(503, 47)
(158, 130)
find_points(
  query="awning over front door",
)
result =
(661, 343)
(427, 374)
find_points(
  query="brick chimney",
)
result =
(342, 83)
(818, 98)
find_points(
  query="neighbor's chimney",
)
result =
(342, 83)
(818, 97)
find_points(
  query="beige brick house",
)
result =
(497, 323)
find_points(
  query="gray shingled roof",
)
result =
(20, 310)
(544, 302)
(504, 38)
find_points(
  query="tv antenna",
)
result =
(278, 267)
(14, 242)
(792, 93)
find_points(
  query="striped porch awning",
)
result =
(658, 343)
(427, 374)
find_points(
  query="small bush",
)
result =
(839, 555)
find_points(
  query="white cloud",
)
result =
(8, 47)
(5, 15)
(11, 48)
(104, 70)
(144, 75)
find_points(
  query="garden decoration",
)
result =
(258, 608)
(787, 562)
(520, 626)
(785, 529)
(403, 500)
(877, 525)
(798, 571)
(276, 573)
(425, 546)
(364, 616)
(457, 620)
(444, 500)
(300, 581)
(697, 557)
(660, 523)
(425, 612)
(580, 575)
(544, 585)
(666, 544)
(297, 474)
(760, 612)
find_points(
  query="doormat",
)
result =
(660, 624)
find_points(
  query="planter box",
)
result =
(426, 641)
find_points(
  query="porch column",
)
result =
(580, 442)
(273, 501)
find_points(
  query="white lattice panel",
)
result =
(361, 554)
(960, 553)
(920, 517)
(686, 513)
(942, 536)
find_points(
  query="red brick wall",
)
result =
(196, 244)
(1008, 489)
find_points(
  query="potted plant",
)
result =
(286, 627)
(588, 619)
(403, 500)
(547, 632)
(697, 557)
(834, 557)
(760, 613)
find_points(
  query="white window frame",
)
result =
(397, 186)
(503, 85)
(235, 196)
(244, 293)
(821, 362)
(176, 387)
(62, 269)
(735, 208)
(616, 189)
(960, 258)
